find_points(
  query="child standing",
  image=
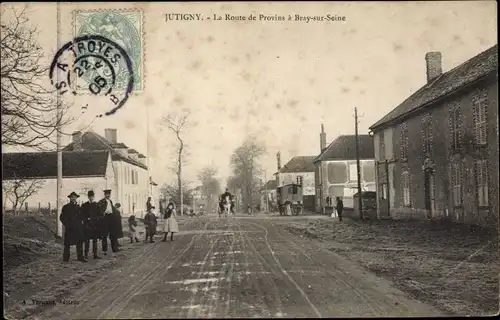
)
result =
(132, 224)
(150, 223)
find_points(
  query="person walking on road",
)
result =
(150, 224)
(132, 225)
(339, 208)
(170, 224)
(117, 228)
(107, 209)
(92, 219)
(148, 204)
(72, 220)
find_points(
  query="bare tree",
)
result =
(19, 190)
(246, 170)
(210, 185)
(176, 123)
(31, 113)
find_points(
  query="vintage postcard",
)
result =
(250, 159)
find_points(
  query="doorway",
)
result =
(430, 194)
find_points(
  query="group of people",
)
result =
(151, 222)
(91, 222)
(99, 221)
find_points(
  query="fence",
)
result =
(31, 209)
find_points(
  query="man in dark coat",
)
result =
(339, 207)
(72, 221)
(108, 210)
(92, 222)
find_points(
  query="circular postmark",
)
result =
(94, 65)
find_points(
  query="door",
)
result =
(430, 199)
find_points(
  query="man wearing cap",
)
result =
(108, 209)
(92, 222)
(72, 221)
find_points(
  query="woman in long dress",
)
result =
(170, 224)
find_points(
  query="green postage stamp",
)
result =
(125, 28)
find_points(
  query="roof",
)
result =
(132, 151)
(299, 164)
(270, 185)
(474, 69)
(119, 145)
(44, 164)
(141, 156)
(344, 148)
(93, 141)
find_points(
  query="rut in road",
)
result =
(121, 302)
(376, 309)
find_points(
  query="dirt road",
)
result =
(239, 267)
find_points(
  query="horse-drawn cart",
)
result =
(290, 199)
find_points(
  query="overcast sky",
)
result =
(277, 80)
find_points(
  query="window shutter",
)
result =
(483, 120)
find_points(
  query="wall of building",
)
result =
(339, 179)
(441, 158)
(131, 194)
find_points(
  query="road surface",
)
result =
(237, 267)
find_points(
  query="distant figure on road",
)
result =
(148, 204)
(170, 224)
(71, 218)
(223, 196)
(92, 222)
(117, 225)
(132, 225)
(339, 207)
(107, 209)
(150, 224)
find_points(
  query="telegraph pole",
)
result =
(358, 167)
(59, 184)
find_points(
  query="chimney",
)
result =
(77, 140)
(111, 135)
(434, 67)
(322, 139)
(278, 158)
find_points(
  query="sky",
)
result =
(276, 80)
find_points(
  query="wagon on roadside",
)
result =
(290, 199)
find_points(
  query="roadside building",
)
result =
(336, 172)
(132, 184)
(437, 152)
(82, 171)
(299, 170)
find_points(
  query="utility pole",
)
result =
(59, 184)
(358, 167)
(266, 199)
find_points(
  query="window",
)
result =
(482, 183)
(384, 192)
(382, 147)
(300, 180)
(456, 184)
(427, 135)
(353, 172)
(404, 141)
(368, 171)
(479, 104)
(455, 127)
(337, 172)
(132, 176)
(406, 189)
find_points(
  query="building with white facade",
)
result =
(82, 171)
(336, 169)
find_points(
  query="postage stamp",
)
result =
(96, 65)
(125, 28)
